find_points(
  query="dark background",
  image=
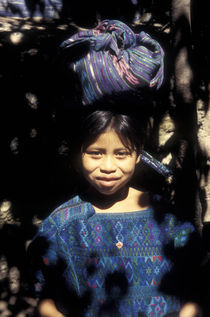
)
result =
(35, 175)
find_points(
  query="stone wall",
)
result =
(203, 113)
(24, 9)
(26, 43)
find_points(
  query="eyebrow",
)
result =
(102, 149)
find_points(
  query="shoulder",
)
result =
(176, 229)
(73, 206)
(73, 209)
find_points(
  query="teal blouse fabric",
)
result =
(110, 264)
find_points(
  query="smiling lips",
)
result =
(107, 180)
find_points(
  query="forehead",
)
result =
(110, 139)
(107, 138)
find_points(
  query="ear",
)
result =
(138, 158)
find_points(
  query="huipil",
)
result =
(110, 264)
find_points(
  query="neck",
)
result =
(106, 201)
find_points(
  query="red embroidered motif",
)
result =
(157, 257)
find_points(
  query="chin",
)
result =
(107, 192)
(110, 191)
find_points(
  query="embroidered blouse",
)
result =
(110, 264)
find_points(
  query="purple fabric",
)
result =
(118, 60)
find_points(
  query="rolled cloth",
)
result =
(117, 60)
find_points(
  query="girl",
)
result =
(114, 249)
(110, 250)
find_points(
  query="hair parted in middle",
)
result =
(115, 73)
(125, 126)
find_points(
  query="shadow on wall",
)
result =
(85, 13)
(80, 12)
(34, 170)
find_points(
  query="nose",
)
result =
(108, 165)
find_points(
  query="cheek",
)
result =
(88, 166)
(129, 167)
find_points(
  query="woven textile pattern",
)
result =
(118, 60)
(129, 275)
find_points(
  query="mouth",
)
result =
(106, 181)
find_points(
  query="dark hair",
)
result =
(91, 123)
(124, 112)
(125, 126)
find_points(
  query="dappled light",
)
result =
(30, 97)
(16, 37)
(35, 172)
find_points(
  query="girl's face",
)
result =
(107, 164)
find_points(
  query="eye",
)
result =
(94, 153)
(122, 154)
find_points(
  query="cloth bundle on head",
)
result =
(118, 60)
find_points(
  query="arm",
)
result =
(190, 309)
(44, 266)
(185, 278)
(47, 308)
(193, 255)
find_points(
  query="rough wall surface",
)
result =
(23, 8)
(204, 141)
(12, 298)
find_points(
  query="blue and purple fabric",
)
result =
(118, 60)
(119, 259)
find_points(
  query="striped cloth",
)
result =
(117, 60)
